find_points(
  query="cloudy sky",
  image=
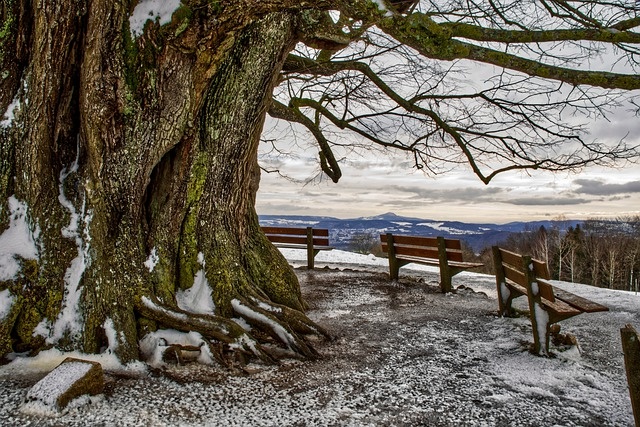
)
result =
(373, 184)
(376, 186)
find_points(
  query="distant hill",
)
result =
(341, 231)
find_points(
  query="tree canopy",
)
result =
(399, 78)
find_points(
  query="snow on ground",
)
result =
(151, 10)
(404, 354)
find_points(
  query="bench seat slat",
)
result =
(514, 275)
(411, 240)
(297, 240)
(578, 302)
(413, 248)
(287, 231)
(432, 261)
(410, 251)
(418, 260)
(288, 239)
(560, 308)
(302, 246)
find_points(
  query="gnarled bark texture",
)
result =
(130, 166)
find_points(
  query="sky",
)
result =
(371, 187)
(373, 184)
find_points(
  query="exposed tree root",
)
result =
(212, 327)
(228, 341)
(265, 321)
(297, 320)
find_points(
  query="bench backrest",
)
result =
(520, 269)
(297, 235)
(423, 247)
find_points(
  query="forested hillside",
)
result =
(603, 253)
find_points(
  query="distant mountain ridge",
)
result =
(478, 236)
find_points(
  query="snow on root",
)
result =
(72, 379)
(278, 329)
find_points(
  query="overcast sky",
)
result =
(373, 184)
(383, 186)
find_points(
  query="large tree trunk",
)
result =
(135, 164)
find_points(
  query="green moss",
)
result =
(7, 27)
(181, 19)
(7, 24)
(215, 6)
(188, 255)
(130, 58)
(130, 106)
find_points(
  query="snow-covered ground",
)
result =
(404, 354)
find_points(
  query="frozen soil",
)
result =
(404, 354)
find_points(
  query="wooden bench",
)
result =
(518, 275)
(437, 251)
(312, 239)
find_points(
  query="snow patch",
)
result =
(243, 323)
(245, 311)
(197, 299)
(535, 288)
(155, 10)
(112, 335)
(9, 115)
(505, 292)
(154, 344)
(383, 7)
(268, 307)
(6, 301)
(58, 382)
(542, 320)
(152, 261)
(151, 305)
(47, 360)
(439, 226)
(70, 319)
(16, 241)
(244, 342)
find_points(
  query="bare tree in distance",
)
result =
(128, 153)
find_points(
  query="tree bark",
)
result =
(126, 150)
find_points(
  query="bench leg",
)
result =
(311, 254)
(310, 260)
(394, 268)
(394, 264)
(446, 273)
(445, 281)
